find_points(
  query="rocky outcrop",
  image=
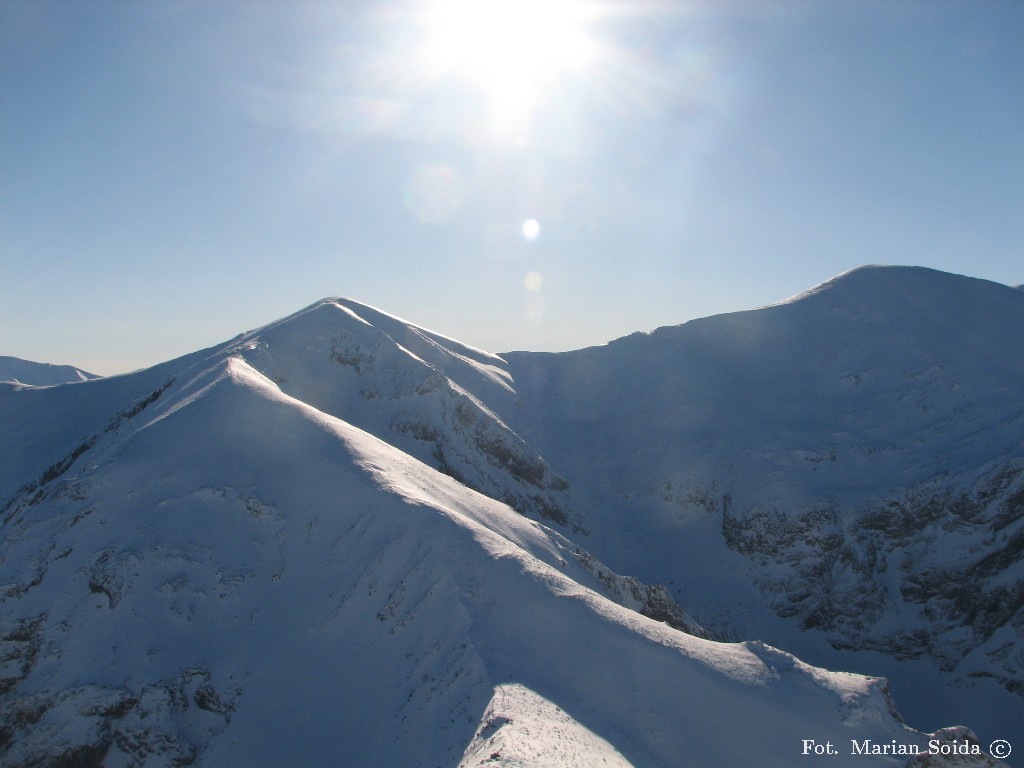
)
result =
(947, 559)
(164, 724)
(654, 601)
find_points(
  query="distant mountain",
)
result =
(342, 539)
(40, 374)
(851, 460)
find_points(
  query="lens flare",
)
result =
(533, 281)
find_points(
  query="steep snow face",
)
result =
(420, 391)
(856, 452)
(20, 371)
(226, 575)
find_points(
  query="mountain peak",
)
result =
(897, 284)
(35, 374)
(400, 328)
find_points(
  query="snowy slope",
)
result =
(20, 371)
(229, 576)
(342, 539)
(419, 391)
(851, 460)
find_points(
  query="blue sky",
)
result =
(173, 173)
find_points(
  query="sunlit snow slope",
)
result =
(342, 540)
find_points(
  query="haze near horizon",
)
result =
(540, 176)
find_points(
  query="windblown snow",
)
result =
(343, 540)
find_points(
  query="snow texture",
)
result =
(345, 540)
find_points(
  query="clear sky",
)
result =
(518, 174)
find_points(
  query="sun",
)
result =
(512, 50)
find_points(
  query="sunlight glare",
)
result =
(512, 49)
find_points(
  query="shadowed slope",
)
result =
(856, 452)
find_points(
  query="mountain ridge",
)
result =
(806, 430)
(19, 371)
(191, 681)
(352, 514)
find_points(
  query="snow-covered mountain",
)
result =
(344, 540)
(20, 371)
(851, 459)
